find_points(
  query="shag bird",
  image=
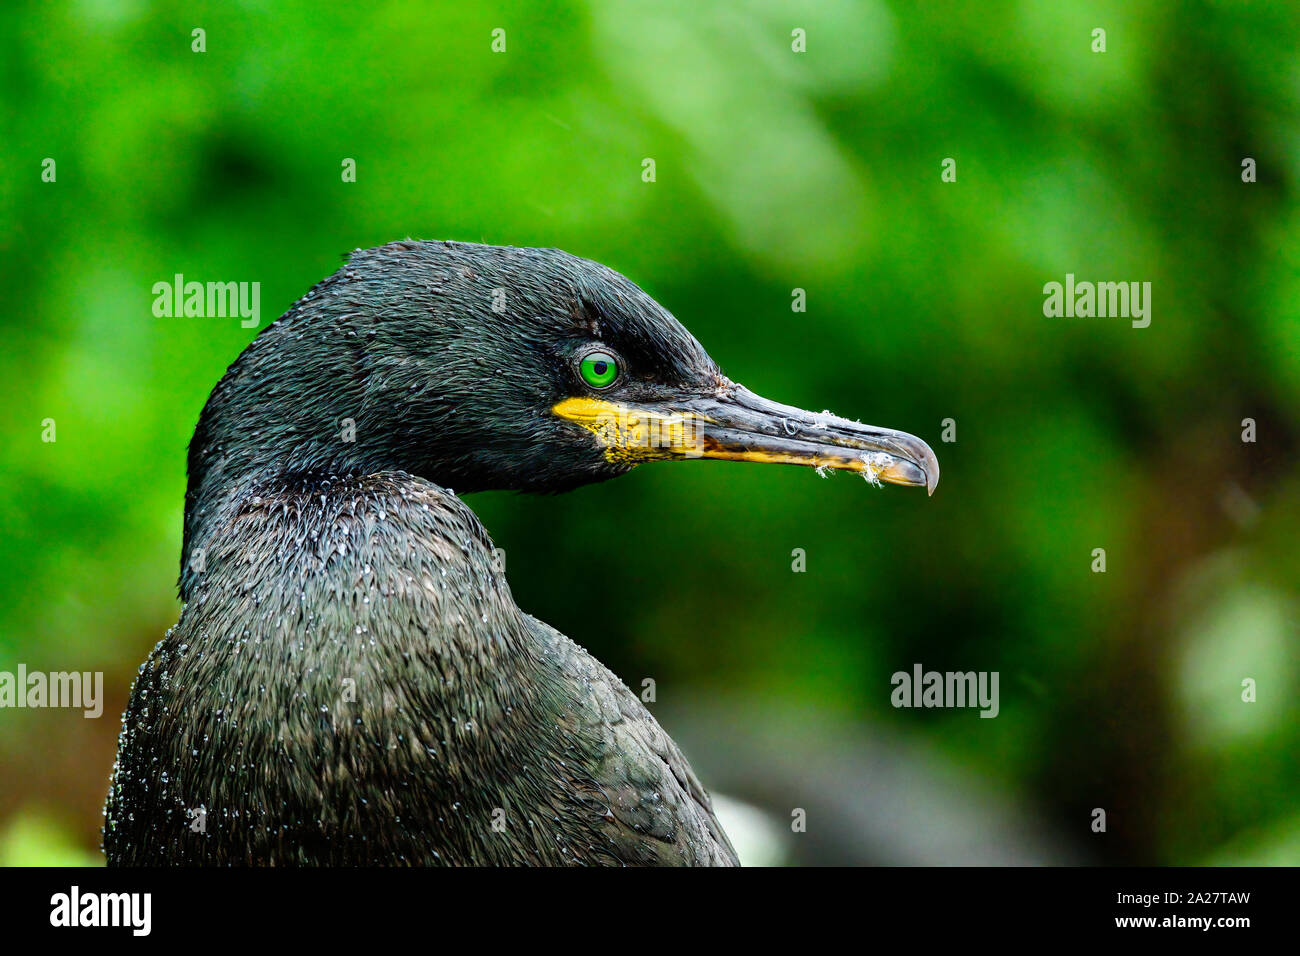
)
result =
(350, 681)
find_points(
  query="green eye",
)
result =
(599, 369)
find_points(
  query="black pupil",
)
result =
(599, 367)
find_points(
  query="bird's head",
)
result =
(482, 367)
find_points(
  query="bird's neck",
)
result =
(384, 580)
(303, 405)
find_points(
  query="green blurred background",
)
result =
(775, 170)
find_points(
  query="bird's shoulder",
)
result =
(657, 811)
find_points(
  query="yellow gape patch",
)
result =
(632, 435)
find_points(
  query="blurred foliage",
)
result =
(775, 171)
(30, 840)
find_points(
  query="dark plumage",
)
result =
(350, 681)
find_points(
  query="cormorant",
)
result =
(350, 681)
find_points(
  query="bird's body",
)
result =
(351, 681)
(470, 732)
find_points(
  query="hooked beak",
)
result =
(737, 425)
